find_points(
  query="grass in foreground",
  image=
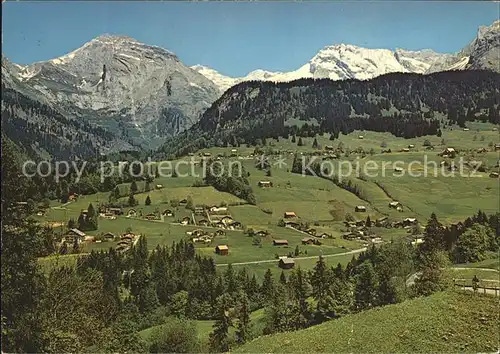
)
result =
(444, 322)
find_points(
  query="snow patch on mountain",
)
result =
(338, 62)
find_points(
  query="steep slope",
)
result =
(402, 104)
(133, 89)
(36, 125)
(484, 50)
(339, 62)
(482, 53)
(444, 322)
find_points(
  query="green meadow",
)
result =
(316, 201)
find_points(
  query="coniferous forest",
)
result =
(406, 105)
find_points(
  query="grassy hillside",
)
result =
(204, 328)
(444, 322)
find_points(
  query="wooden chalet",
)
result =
(114, 211)
(108, 236)
(217, 210)
(203, 222)
(360, 209)
(168, 212)
(222, 250)
(74, 234)
(394, 205)
(280, 242)
(265, 184)
(289, 215)
(286, 263)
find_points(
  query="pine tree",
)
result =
(253, 290)
(243, 328)
(91, 219)
(368, 222)
(433, 236)
(267, 288)
(300, 289)
(22, 283)
(133, 187)
(300, 143)
(82, 224)
(148, 201)
(283, 278)
(297, 251)
(320, 279)
(293, 139)
(231, 281)
(131, 200)
(315, 144)
(365, 292)
(219, 338)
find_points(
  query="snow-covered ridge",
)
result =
(338, 62)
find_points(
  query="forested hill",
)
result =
(43, 131)
(406, 105)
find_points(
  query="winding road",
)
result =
(297, 258)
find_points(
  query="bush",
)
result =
(175, 336)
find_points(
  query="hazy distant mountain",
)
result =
(136, 91)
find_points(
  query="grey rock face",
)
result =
(482, 53)
(128, 87)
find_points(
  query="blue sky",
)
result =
(236, 38)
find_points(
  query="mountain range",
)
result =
(344, 61)
(115, 93)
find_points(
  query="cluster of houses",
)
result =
(201, 236)
(291, 220)
(132, 213)
(396, 205)
(358, 230)
(214, 216)
(448, 152)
